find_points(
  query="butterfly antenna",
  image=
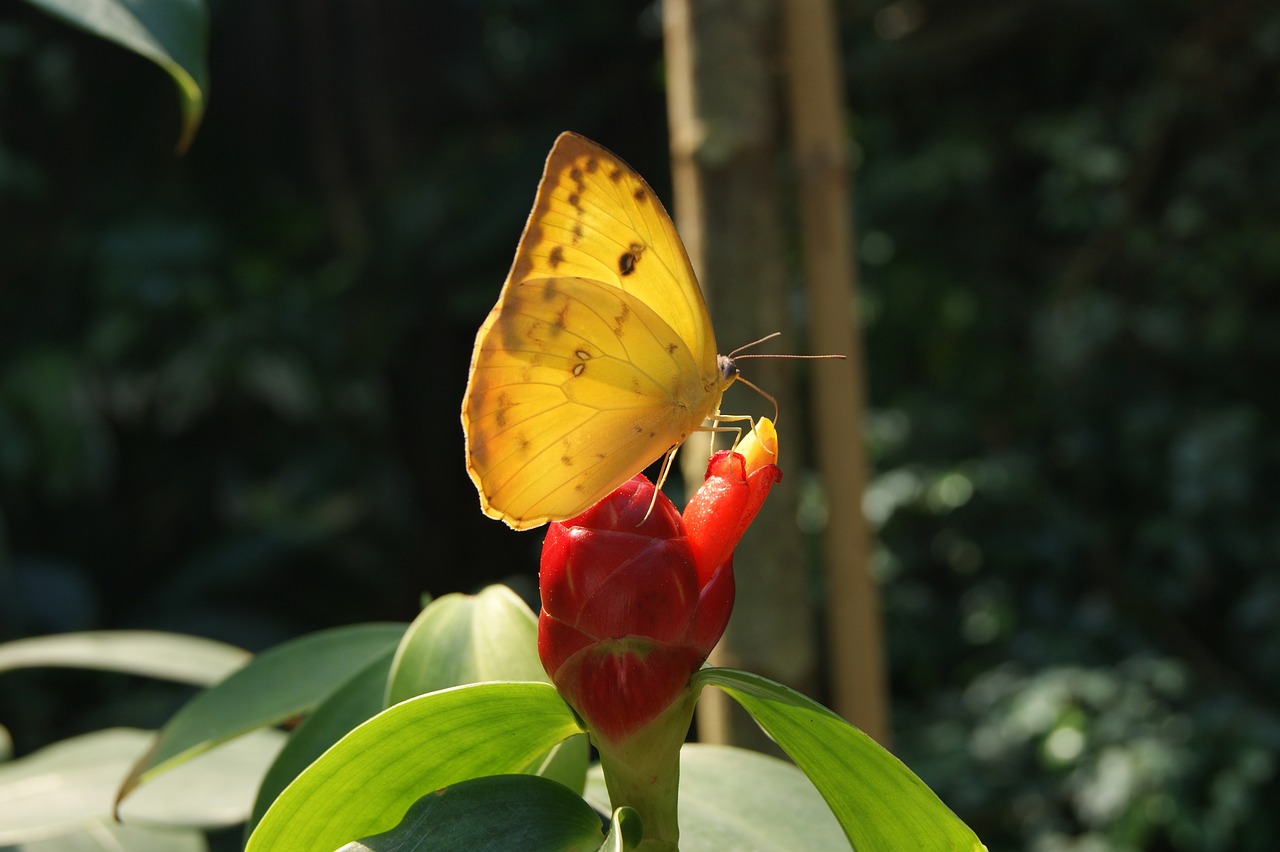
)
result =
(744, 346)
(801, 357)
(734, 356)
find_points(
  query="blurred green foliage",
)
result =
(229, 382)
(1069, 241)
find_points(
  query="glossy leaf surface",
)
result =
(369, 779)
(493, 814)
(280, 683)
(878, 801)
(170, 656)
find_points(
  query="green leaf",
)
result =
(356, 701)
(64, 786)
(171, 33)
(461, 639)
(171, 656)
(731, 798)
(498, 813)
(878, 801)
(490, 636)
(368, 780)
(277, 685)
(566, 763)
(214, 790)
(625, 830)
(69, 785)
(107, 836)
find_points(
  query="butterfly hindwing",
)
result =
(571, 383)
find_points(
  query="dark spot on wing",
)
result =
(500, 416)
(556, 257)
(629, 258)
(640, 195)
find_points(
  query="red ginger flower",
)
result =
(633, 600)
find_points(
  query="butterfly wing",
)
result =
(599, 355)
(571, 395)
(595, 217)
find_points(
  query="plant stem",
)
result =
(643, 772)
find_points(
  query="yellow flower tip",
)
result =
(760, 446)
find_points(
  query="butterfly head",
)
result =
(728, 370)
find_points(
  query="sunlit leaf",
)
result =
(357, 700)
(64, 786)
(625, 831)
(731, 798)
(107, 836)
(213, 790)
(461, 639)
(171, 656)
(369, 779)
(878, 801)
(277, 685)
(490, 636)
(72, 784)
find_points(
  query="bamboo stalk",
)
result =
(855, 632)
(722, 104)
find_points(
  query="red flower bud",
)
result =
(633, 600)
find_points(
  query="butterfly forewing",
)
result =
(599, 355)
(596, 217)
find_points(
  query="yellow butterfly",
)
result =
(599, 356)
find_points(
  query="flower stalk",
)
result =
(634, 597)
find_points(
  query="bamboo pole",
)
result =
(858, 681)
(722, 107)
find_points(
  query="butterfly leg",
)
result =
(715, 427)
(662, 478)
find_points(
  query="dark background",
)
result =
(229, 382)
